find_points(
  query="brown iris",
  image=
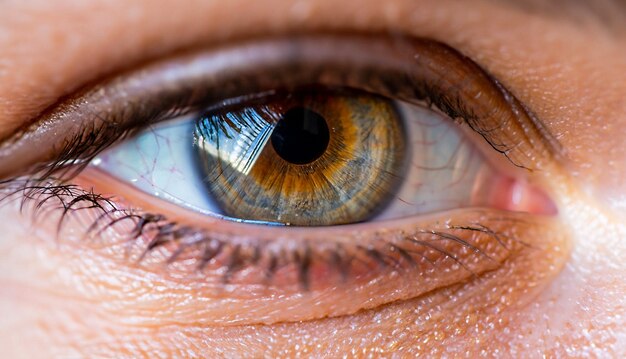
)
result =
(306, 158)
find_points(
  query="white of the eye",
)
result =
(160, 162)
(443, 166)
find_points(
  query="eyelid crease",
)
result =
(415, 70)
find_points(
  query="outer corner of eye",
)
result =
(291, 171)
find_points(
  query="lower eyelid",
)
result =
(495, 240)
(446, 249)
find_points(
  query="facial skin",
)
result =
(568, 67)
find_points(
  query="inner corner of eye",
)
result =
(314, 157)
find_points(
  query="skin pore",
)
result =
(569, 299)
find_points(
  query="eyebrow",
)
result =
(610, 14)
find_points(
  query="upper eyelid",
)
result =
(416, 64)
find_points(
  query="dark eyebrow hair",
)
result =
(610, 14)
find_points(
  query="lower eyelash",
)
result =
(228, 256)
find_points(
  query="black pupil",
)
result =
(301, 136)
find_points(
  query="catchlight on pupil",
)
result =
(313, 159)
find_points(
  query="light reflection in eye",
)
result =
(226, 162)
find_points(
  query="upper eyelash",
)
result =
(401, 84)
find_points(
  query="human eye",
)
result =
(308, 152)
(416, 181)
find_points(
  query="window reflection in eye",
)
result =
(387, 183)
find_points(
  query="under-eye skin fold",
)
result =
(97, 136)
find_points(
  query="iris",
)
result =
(312, 157)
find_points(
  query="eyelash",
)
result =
(162, 232)
(53, 184)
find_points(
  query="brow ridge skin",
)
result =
(610, 14)
(16, 14)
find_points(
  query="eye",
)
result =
(314, 156)
(417, 152)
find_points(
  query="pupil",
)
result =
(301, 136)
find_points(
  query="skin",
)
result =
(568, 299)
